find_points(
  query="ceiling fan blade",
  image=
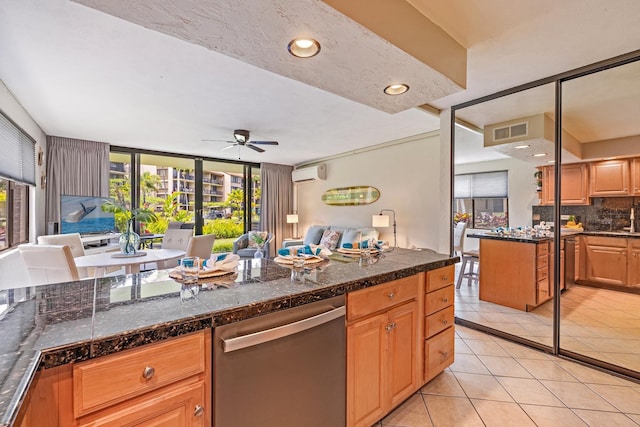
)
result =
(253, 147)
(229, 146)
(265, 142)
(218, 140)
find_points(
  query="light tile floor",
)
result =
(598, 323)
(494, 382)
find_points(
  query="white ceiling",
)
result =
(86, 74)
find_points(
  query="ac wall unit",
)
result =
(312, 173)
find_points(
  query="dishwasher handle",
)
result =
(256, 338)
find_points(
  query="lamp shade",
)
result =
(292, 218)
(380, 220)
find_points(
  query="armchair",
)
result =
(242, 248)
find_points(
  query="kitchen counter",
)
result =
(521, 239)
(51, 325)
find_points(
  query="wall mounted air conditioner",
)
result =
(312, 173)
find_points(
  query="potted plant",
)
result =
(538, 177)
(129, 239)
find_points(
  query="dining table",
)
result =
(131, 263)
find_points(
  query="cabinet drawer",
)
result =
(542, 273)
(440, 278)
(542, 248)
(438, 353)
(111, 379)
(437, 300)
(543, 291)
(542, 261)
(367, 301)
(438, 321)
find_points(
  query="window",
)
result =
(17, 171)
(481, 199)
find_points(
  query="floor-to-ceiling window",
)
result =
(208, 194)
(590, 310)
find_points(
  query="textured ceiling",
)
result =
(86, 74)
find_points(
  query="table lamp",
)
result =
(381, 220)
(293, 219)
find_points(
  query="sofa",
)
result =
(350, 235)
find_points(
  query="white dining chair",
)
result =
(49, 263)
(175, 238)
(201, 246)
(74, 241)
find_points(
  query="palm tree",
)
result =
(148, 185)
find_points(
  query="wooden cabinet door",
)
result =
(635, 177)
(575, 184)
(610, 178)
(606, 264)
(402, 339)
(175, 407)
(366, 373)
(633, 267)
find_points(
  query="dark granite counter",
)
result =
(618, 234)
(564, 235)
(51, 325)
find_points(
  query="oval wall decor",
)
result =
(351, 196)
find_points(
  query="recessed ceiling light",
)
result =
(551, 161)
(396, 89)
(523, 146)
(303, 47)
(608, 158)
(539, 154)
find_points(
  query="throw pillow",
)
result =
(314, 234)
(330, 239)
(351, 236)
(257, 238)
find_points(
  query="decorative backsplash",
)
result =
(604, 213)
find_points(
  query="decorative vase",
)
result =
(129, 240)
(258, 253)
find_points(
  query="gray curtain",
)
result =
(76, 167)
(276, 201)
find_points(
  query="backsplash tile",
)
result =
(604, 213)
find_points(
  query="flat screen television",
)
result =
(84, 215)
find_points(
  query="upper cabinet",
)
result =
(635, 177)
(610, 178)
(575, 184)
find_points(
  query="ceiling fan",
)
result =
(241, 137)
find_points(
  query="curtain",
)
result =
(276, 201)
(74, 167)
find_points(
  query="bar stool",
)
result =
(468, 257)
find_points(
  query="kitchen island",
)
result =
(57, 325)
(516, 271)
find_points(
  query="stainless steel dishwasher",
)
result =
(282, 369)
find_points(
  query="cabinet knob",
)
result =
(445, 299)
(198, 411)
(390, 326)
(444, 354)
(444, 278)
(148, 373)
(444, 322)
(391, 295)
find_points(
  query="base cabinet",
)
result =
(439, 332)
(606, 260)
(633, 263)
(161, 384)
(383, 348)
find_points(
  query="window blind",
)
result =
(17, 153)
(481, 185)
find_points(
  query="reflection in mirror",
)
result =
(600, 311)
(504, 280)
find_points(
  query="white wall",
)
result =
(12, 272)
(407, 173)
(522, 190)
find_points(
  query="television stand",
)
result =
(96, 243)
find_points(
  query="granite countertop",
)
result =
(47, 326)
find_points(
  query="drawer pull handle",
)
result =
(445, 299)
(148, 373)
(391, 295)
(390, 326)
(444, 278)
(444, 354)
(444, 322)
(198, 411)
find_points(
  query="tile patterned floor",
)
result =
(494, 382)
(599, 323)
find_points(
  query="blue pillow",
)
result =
(314, 234)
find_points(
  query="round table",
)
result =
(130, 263)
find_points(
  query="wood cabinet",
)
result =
(439, 332)
(383, 348)
(605, 260)
(633, 263)
(609, 178)
(575, 184)
(165, 383)
(635, 177)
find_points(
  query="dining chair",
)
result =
(201, 246)
(469, 258)
(175, 238)
(74, 241)
(49, 263)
